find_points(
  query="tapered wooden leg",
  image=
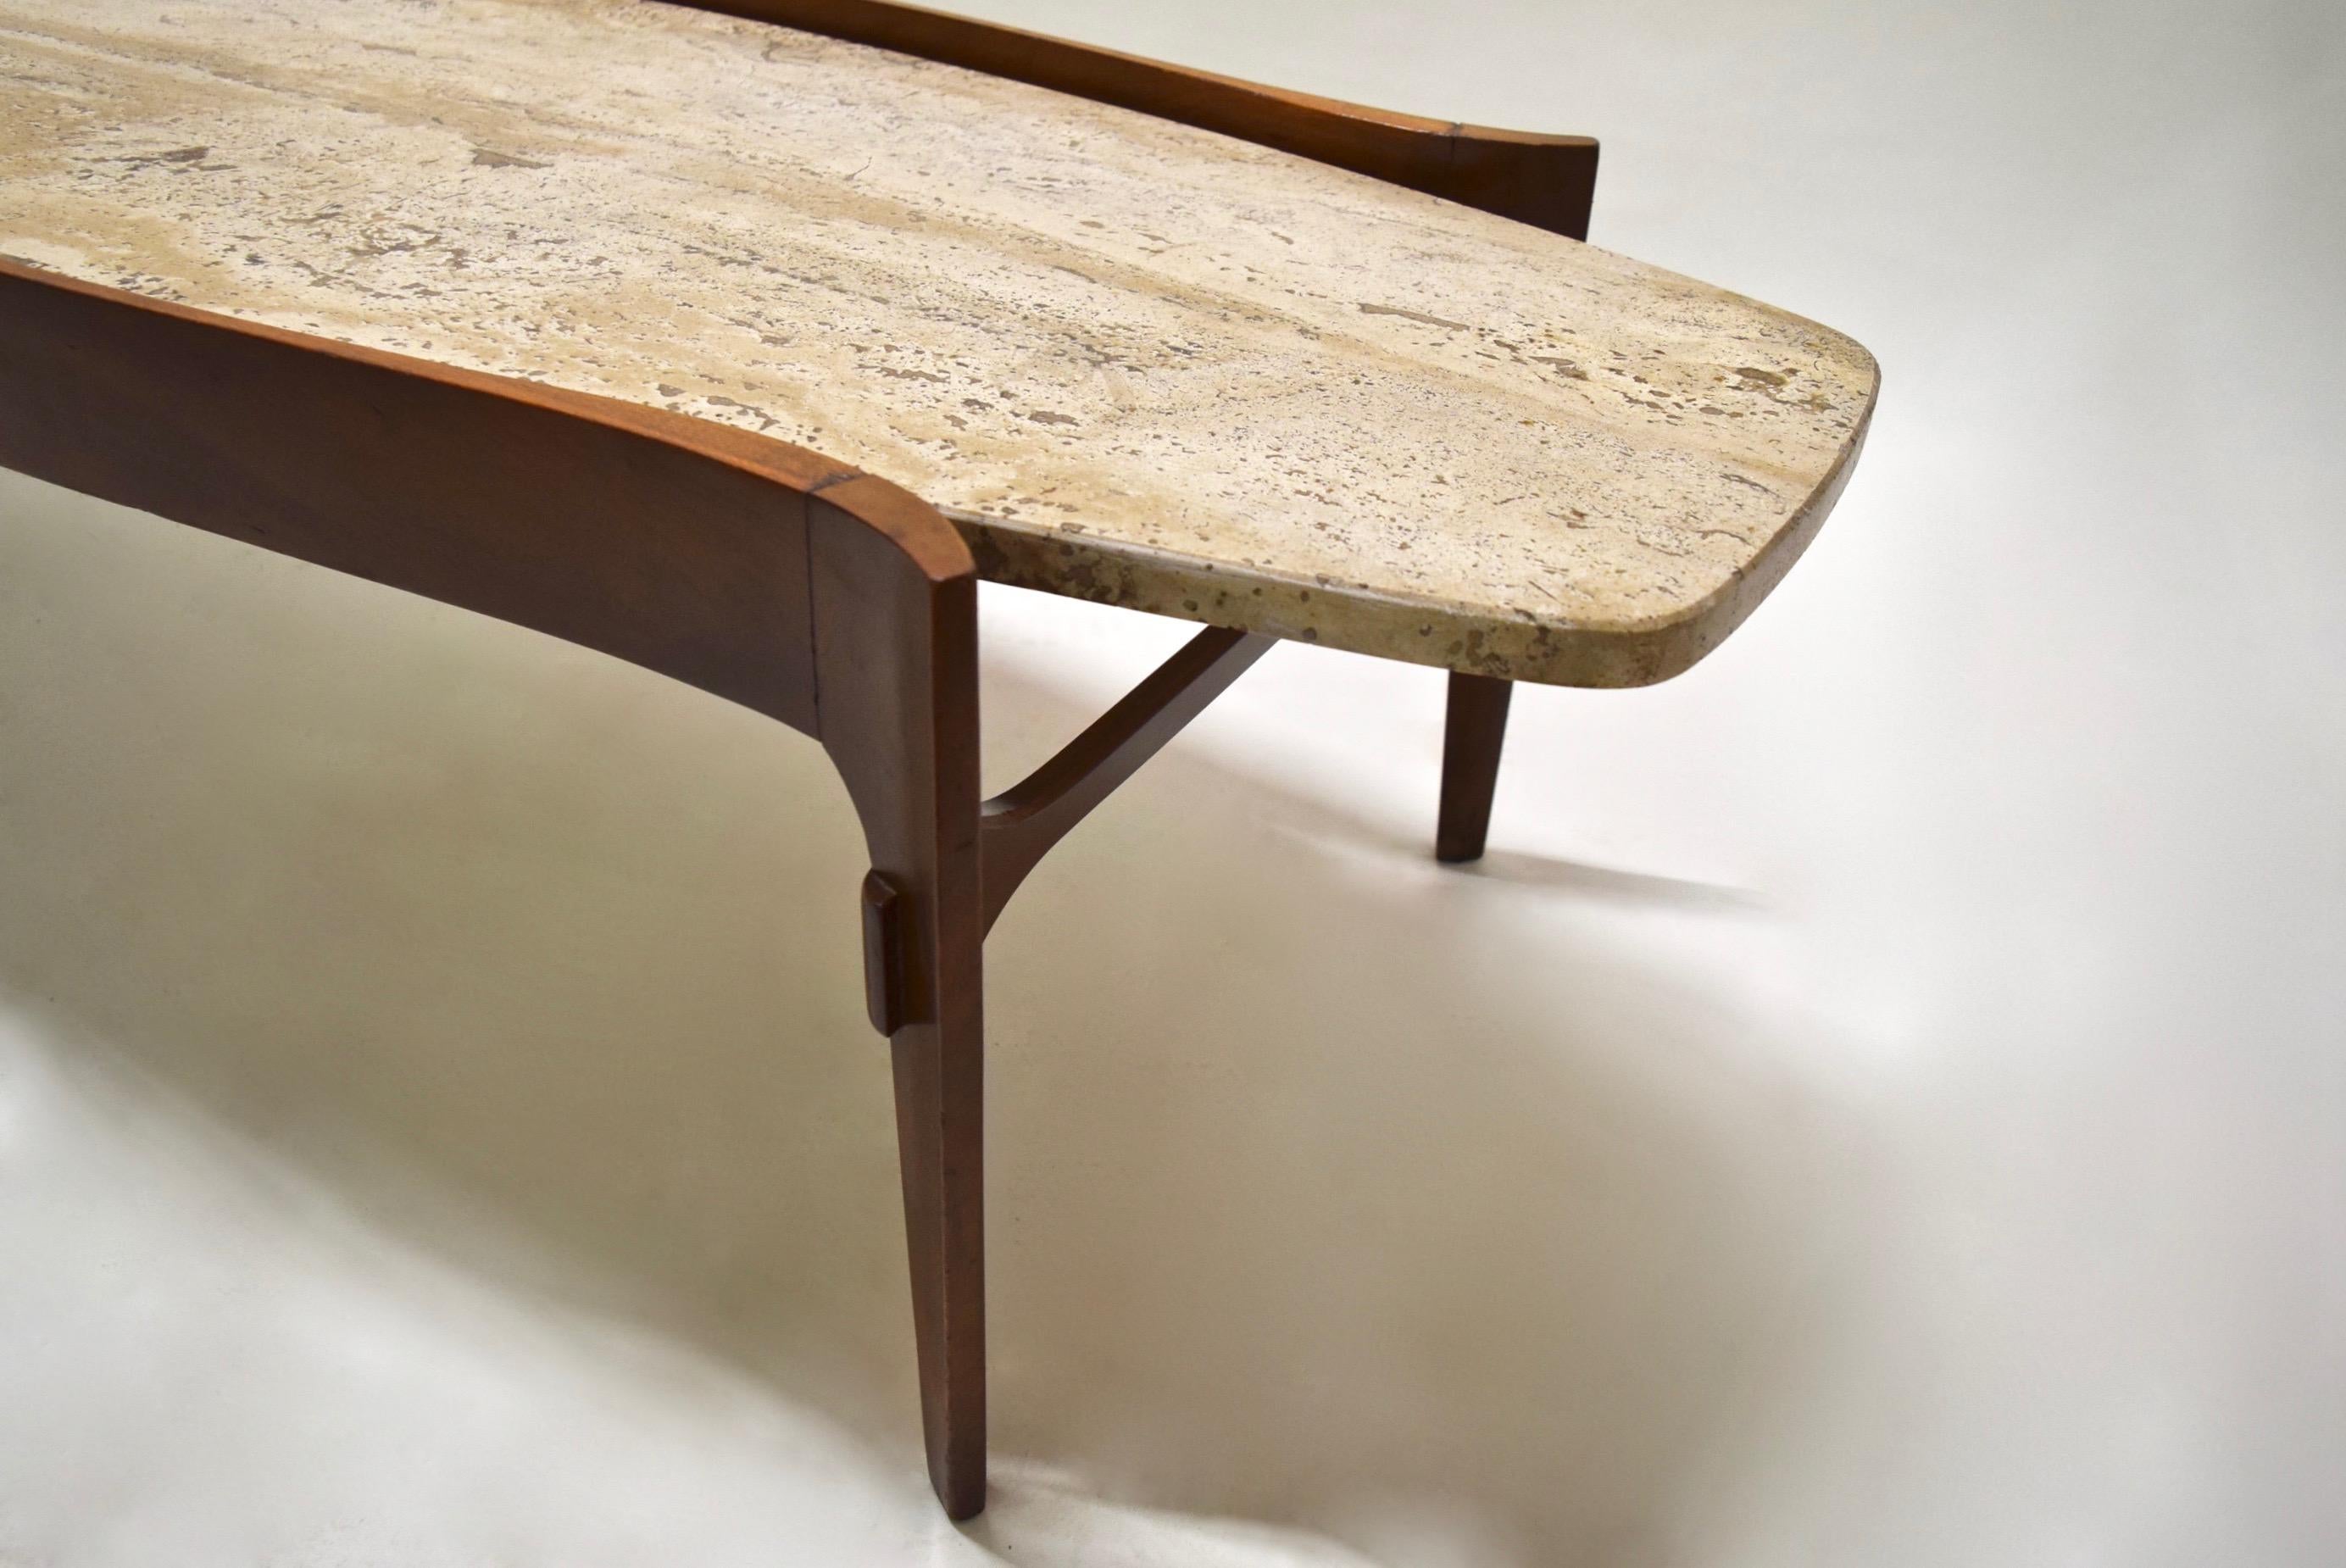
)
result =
(1471, 739)
(896, 663)
(939, 1146)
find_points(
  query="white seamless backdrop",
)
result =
(1881, 1100)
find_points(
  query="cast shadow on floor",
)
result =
(1326, 1188)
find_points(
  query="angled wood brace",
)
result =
(1018, 826)
(773, 577)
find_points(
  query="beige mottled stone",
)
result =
(1137, 362)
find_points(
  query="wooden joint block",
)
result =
(884, 954)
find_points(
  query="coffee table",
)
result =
(741, 339)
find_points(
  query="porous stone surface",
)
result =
(1135, 363)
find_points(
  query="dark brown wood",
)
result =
(1475, 730)
(1020, 825)
(763, 573)
(883, 955)
(670, 542)
(759, 571)
(896, 636)
(1543, 180)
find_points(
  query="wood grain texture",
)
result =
(1474, 731)
(668, 542)
(1136, 362)
(830, 600)
(896, 678)
(461, 295)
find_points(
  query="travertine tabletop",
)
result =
(1137, 362)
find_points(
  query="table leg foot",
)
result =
(939, 1119)
(1475, 730)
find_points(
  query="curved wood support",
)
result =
(759, 571)
(1543, 180)
(667, 541)
(1022, 824)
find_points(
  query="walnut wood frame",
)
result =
(826, 599)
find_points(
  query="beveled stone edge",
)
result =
(1426, 631)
